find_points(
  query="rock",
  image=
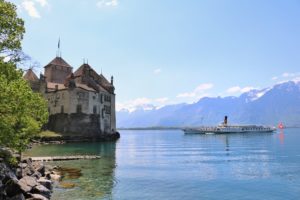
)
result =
(9, 175)
(23, 165)
(37, 197)
(27, 183)
(28, 171)
(36, 174)
(12, 188)
(55, 177)
(1, 190)
(40, 189)
(27, 160)
(45, 182)
(38, 166)
(17, 197)
(19, 173)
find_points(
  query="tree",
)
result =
(22, 112)
(11, 31)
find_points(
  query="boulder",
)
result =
(40, 167)
(17, 197)
(40, 189)
(27, 183)
(45, 182)
(37, 197)
(36, 174)
(55, 177)
(12, 188)
(8, 175)
(28, 171)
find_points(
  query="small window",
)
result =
(101, 99)
(95, 109)
(79, 108)
(62, 109)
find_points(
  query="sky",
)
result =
(170, 51)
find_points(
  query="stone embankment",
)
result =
(28, 180)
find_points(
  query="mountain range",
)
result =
(269, 106)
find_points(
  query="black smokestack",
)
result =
(225, 120)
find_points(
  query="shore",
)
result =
(25, 179)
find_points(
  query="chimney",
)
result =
(225, 120)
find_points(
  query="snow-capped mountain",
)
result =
(267, 106)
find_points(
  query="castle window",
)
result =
(78, 108)
(95, 110)
(107, 109)
(62, 109)
(102, 112)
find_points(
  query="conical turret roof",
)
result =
(59, 61)
(30, 76)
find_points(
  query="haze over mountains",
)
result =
(280, 103)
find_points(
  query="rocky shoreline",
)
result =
(27, 180)
(34, 180)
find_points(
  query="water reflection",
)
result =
(281, 136)
(245, 155)
(95, 178)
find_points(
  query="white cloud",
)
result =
(197, 91)
(274, 78)
(30, 8)
(287, 75)
(42, 3)
(238, 89)
(157, 71)
(107, 3)
(162, 100)
(143, 103)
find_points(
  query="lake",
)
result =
(171, 165)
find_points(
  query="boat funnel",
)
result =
(225, 120)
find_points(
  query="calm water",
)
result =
(171, 165)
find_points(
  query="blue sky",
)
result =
(170, 51)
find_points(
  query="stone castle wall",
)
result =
(75, 124)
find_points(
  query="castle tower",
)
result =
(57, 70)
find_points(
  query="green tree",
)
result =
(22, 112)
(11, 31)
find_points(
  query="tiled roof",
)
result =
(58, 61)
(30, 76)
(85, 87)
(80, 70)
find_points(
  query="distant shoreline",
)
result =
(151, 128)
(171, 128)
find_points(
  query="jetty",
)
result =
(62, 158)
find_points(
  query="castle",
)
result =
(80, 103)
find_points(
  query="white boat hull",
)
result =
(229, 129)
